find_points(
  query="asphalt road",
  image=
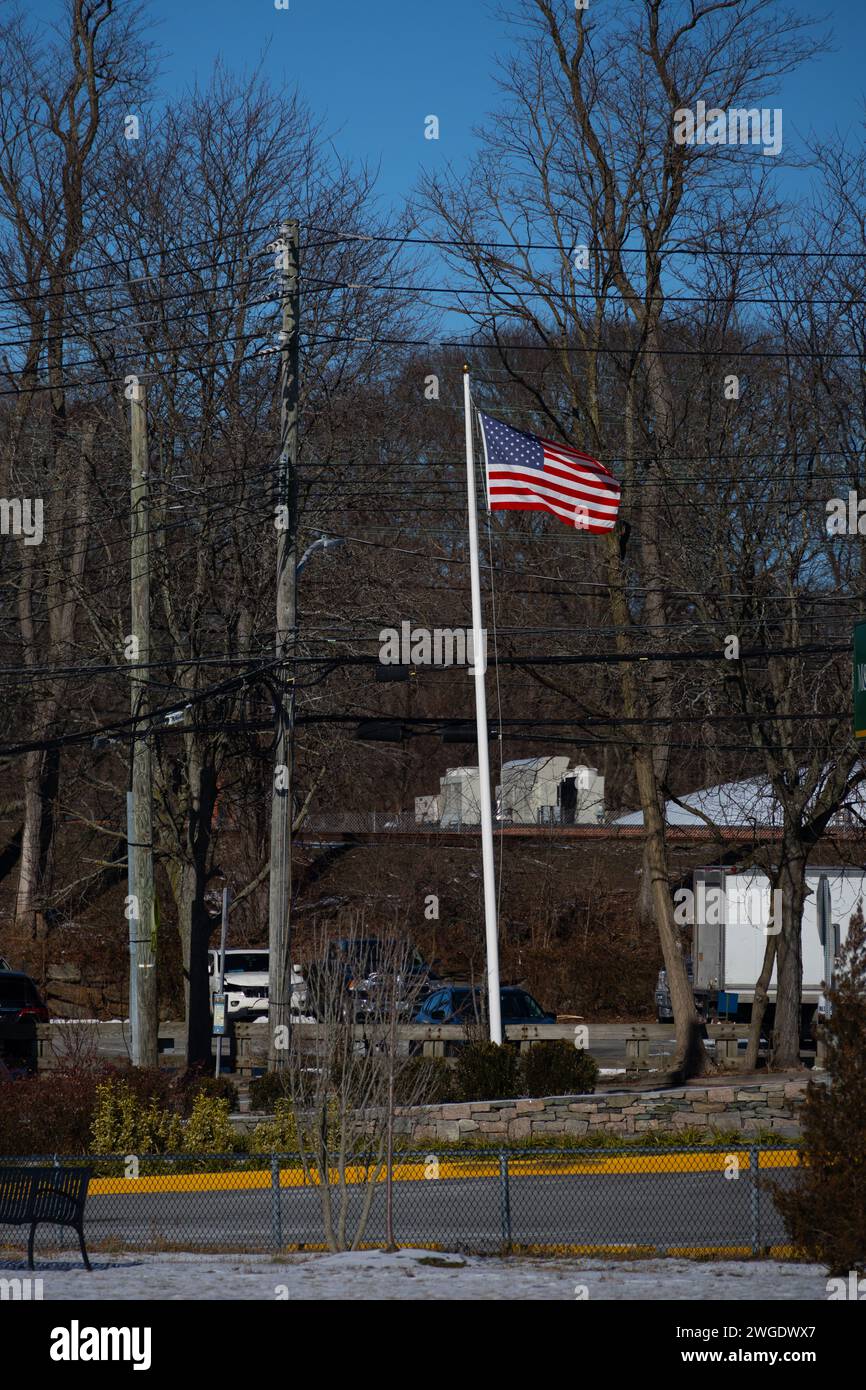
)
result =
(689, 1210)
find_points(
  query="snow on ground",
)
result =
(416, 1274)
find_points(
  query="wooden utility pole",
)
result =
(221, 980)
(142, 985)
(279, 904)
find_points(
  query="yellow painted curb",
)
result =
(450, 1170)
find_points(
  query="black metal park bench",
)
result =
(29, 1196)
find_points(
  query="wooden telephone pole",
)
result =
(279, 904)
(142, 984)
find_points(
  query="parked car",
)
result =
(21, 1008)
(20, 999)
(664, 1007)
(362, 969)
(246, 985)
(464, 1004)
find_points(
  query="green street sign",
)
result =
(860, 680)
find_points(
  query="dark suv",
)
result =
(21, 1008)
(463, 1004)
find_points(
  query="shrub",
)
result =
(51, 1114)
(486, 1071)
(123, 1124)
(279, 1135)
(825, 1213)
(194, 1083)
(266, 1090)
(105, 1110)
(558, 1069)
(209, 1129)
(425, 1081)
(278, 1086)
(146, 1084)
(176, 1090)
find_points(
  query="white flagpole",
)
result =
(479, 662)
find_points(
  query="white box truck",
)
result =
(731, 914)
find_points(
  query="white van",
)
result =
(246, 985)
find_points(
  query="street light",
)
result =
(323, 543)
(279, 897)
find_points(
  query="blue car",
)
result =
(463, 1004)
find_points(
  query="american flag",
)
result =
(528, 474)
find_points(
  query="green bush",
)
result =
(279, 1135)
(824, 1210)
(120, 1109)
(267, 1090)
(425, 1081)
(486, 1071)
(209, 1129)
(194, 1084)
(558, 1069)
(177, 1090)
(122, 1123)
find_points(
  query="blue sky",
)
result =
(375, 68)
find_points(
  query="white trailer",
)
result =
(733, 915)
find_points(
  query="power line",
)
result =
(191, 698)
(514, 245)
(152, 306)
(145, 255)
(733, 300)
(632, 589)
(625, 350)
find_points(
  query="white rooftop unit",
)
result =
(534, 791)
(528, 786)
(581, 797)
(545, 791)
(459, 798)
(427, 810)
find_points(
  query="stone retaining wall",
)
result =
(744, 1109)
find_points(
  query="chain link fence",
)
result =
(688, 1201)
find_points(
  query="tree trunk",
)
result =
(41, 781)
(691, 1056)
(789, 946)
(188, 876)
(759, 1007)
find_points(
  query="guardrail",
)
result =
(432, 1040)
(246, 1044)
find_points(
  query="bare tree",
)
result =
(61, 104)
(345, 1090)
(584, 163)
